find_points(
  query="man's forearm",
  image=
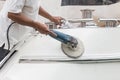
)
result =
(45, 14)
(22, 19)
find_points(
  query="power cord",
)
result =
(8, 34)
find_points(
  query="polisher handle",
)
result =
(51, 33)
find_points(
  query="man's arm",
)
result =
(45, 14)
(24, 20)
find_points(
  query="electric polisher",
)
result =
(71, 46)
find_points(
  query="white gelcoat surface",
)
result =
(97, 42)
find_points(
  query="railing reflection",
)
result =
(89, 22)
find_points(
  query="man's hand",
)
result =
(42, 28)
(57, 20)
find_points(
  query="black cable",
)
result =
(8, 35)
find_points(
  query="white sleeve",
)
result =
(16, 6)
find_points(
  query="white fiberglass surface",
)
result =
(98, 42)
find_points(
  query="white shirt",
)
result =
(29, 8)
